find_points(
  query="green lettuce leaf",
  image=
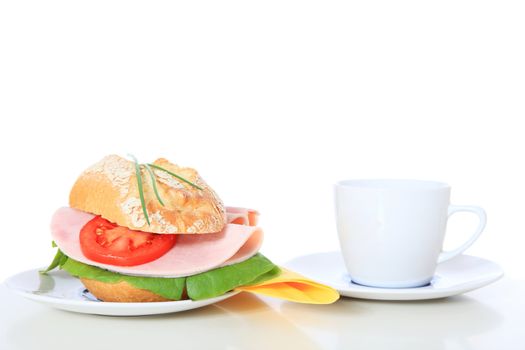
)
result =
(276, 271)
(223, 279)
(57, 260)
(202, 286)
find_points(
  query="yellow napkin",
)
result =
(292, 286)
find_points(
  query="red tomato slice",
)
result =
(108, 243)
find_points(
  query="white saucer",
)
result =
(459, 275)
(60, 290)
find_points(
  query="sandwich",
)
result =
(155, 232)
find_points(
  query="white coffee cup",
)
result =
(391, 231)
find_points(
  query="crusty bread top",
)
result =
(109, 188)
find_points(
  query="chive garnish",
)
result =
(154, 183)
(141, 189)
(174, 175)
(148, 167)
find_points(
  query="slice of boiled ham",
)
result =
(242, 216)
(192, 254)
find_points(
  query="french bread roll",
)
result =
(121, 292)
(109, 189)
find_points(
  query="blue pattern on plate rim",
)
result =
(86, 295)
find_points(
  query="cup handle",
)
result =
(444, 256)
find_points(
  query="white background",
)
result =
(272, 101)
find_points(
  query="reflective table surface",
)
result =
(489, 318)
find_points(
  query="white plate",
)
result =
(61, 290)
(459, 275)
